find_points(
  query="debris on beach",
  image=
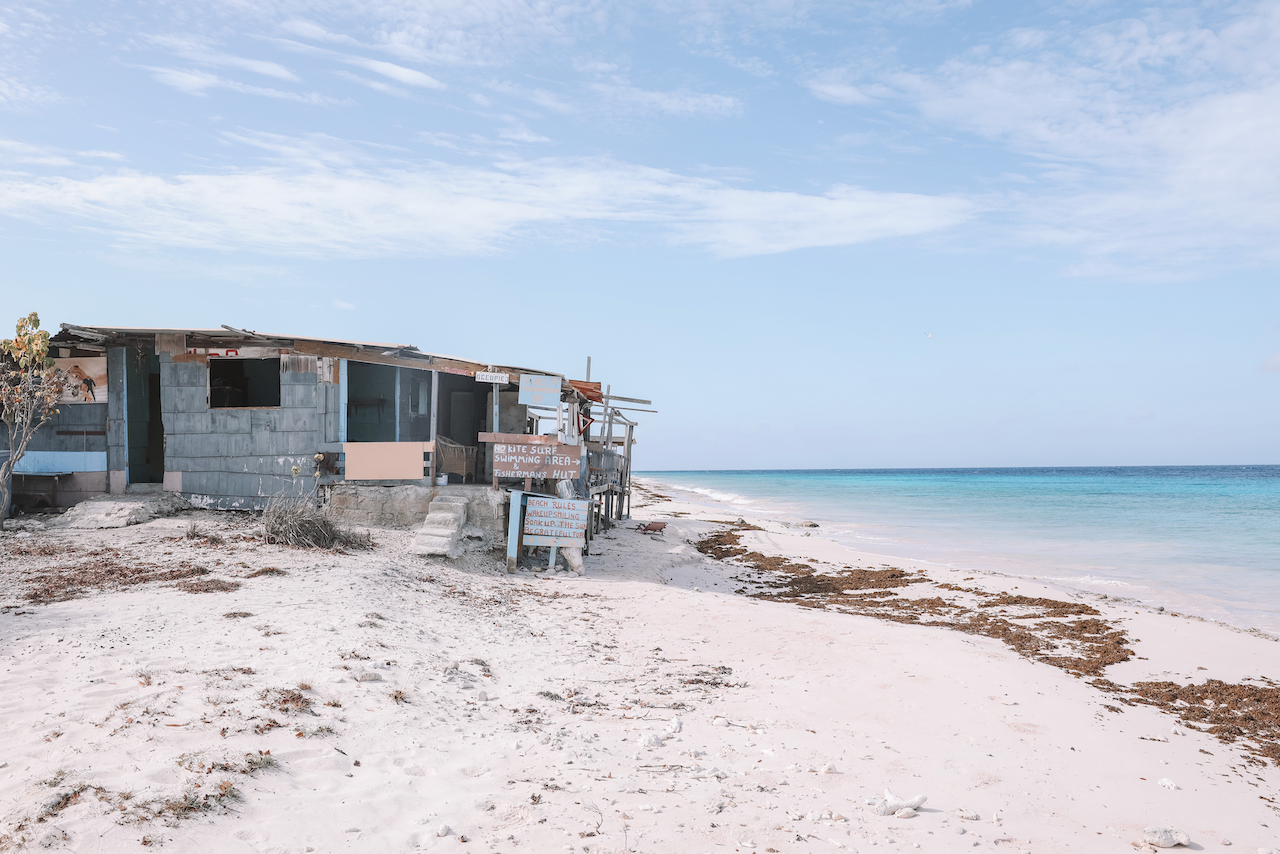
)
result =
(1165, 837)
(893, 805)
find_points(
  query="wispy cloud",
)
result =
(838, 93)
(1156, 138)
(197, 82)
(375, 85)
(16, 93)
(200, 52)
(681, 102)
(387, 208)
(398, 73)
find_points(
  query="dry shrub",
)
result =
(209, 585)
(266, 570)
(298, 522)
(285, 700)
(195, 532)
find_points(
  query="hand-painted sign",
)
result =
(87, 379)
(558, 462)
(538, 390)
(492, 377)
(555, 522)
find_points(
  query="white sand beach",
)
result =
(415, 704)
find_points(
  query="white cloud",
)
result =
(15, 93)
(196, 82)
(1158, 140)
(838, 93)
(1271, 365)
(398, 73)
(681, 102)
(350, 205)
(201, 53)
(342, 304)
(376, 85)
(519, 134)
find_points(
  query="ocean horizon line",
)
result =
(966, 468)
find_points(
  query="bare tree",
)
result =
(30, 387)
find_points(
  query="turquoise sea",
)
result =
(1201, 539)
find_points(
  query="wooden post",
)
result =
(528, 484)
(608, 420)
(397, 403)
(435, 400)
(496, 429)
(631, 432)
(515, 527)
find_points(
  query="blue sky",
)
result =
(856, 234)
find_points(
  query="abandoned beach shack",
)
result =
(230, 417)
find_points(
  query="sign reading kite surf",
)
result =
(536, 460)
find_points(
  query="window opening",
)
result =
(242, 383)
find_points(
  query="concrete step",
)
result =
(442, 528)
(440, 524)
(448, 503)
(426, 543)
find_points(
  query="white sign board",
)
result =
(558, 522)
(537, 390)
(487, 377)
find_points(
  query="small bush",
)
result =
(298, 522)
(266, 570)
(195, 532)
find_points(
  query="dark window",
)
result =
(244, 382)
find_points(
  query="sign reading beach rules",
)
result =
(560, 522)
(538, 390)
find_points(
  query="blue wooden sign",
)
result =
(538, 390)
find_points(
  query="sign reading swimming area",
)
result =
(538, 390)
(558, 462)
(555, 522)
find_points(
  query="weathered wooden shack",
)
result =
(231, 417)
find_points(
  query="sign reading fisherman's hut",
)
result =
(535, 460)
(538, 390)
(560, 522)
